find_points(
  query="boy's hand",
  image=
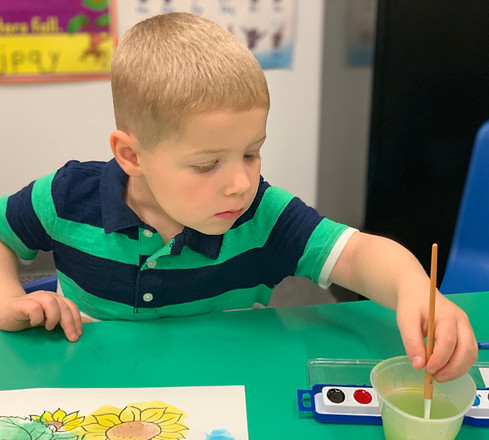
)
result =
(455, 349)
(42, 308)
(390, 275)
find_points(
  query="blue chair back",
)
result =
(46, 283)
(467, 267)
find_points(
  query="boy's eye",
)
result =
(205, 168)
(254, 155)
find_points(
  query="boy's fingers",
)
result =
(455, 347)
(462, 358)
(445, 344)
(413, 340)
(70, 320)
(49, 309)
(34, 314)
(75, 312)
(58, 310)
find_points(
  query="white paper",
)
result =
(485, 376)
(209, 413)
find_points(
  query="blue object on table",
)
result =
(46, 283)
(467, 268)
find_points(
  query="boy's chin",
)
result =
(215, 229)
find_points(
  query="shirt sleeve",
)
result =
(322, 250)
(305, 243)
(20, 227)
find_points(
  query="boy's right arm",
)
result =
(19, 311)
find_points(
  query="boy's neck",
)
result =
(140, 199)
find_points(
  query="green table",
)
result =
(266, 350)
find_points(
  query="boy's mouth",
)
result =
(229, 215)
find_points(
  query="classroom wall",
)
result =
(345, 114)
(317, 131)
(44, 125)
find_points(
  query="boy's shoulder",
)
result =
(77, 179)
(80, 189)
(75, 169)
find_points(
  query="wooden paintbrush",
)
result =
(428, 378)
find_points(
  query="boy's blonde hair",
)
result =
(171, 67)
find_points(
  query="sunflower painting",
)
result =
(25, 428)
(138, 421)
(195, 413)
(154, 420)
(59, 420)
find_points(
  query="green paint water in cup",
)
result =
(412, 402)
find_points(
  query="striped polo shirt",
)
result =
(114, 266)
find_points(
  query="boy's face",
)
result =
(209, 175)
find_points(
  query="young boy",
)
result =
(180, 222)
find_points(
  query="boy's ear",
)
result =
(125, 149)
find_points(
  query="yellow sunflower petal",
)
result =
(35, 418)
(105, 409)
(59, 415)
(100, 435)
(170, 418)
(71, 417)
(130, 414)
(72, 425)
(169, 436)
(153, 414)
(47, 416)
(147, 405)
(175, 427)
(94, 429)
(107, 420)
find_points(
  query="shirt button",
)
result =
(147, 297)
(151, 264)
(147, 233)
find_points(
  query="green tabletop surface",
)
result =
(266, 350)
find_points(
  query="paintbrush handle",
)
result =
(428, 378)
(428, 385)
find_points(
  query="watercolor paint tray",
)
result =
(341, 392)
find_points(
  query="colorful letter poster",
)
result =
(190, 413)
(265, 26)
(52, 40)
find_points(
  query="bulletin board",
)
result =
(55, 40)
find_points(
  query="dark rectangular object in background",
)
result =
(430, 95)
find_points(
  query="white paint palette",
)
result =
(331, 401)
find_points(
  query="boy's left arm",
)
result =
(390, 275)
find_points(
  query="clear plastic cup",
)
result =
(400, 390)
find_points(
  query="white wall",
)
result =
(44, 125)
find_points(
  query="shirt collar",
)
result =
(208, 245)
(116, 215)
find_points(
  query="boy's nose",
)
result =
(238, 181)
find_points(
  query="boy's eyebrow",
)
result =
(219, 150)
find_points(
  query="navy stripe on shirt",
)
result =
(176, 286)
(24, 222)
